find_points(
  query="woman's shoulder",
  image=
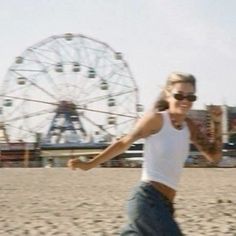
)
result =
(149, 123)
(154, 120)
(154, 115)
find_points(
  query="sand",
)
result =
(58, 201)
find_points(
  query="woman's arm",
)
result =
(211, 150)
(148, 124)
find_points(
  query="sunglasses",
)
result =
(181, 97)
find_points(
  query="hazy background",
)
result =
(155, 36)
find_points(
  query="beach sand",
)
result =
(59, 201)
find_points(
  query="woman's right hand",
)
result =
(75, 163)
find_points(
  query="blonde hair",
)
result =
(176, 77)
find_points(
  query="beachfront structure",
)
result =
(56, 154)
(202, 118)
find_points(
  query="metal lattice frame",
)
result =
(76, 69)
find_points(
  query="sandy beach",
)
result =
(58, 201)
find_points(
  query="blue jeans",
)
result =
(150, 213)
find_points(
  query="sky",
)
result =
(156, 37)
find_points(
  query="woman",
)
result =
(167, 131)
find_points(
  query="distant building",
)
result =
(231, 124)
(203, 120)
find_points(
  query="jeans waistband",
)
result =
(159, 194)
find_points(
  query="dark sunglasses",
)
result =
(181, 97)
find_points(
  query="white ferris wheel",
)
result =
(69, 88)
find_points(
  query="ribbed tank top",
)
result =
(165, 153)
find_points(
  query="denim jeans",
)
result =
(150, 213)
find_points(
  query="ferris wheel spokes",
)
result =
(91, 78)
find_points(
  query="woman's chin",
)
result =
(183, 110)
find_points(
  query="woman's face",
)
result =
(180, 98)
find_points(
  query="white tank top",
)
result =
(165, 153)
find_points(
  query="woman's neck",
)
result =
(177, 120)
(177, 117)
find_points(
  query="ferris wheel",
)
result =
(69, 88)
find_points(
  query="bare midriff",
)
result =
(165, 190)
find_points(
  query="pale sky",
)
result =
(155, 36)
